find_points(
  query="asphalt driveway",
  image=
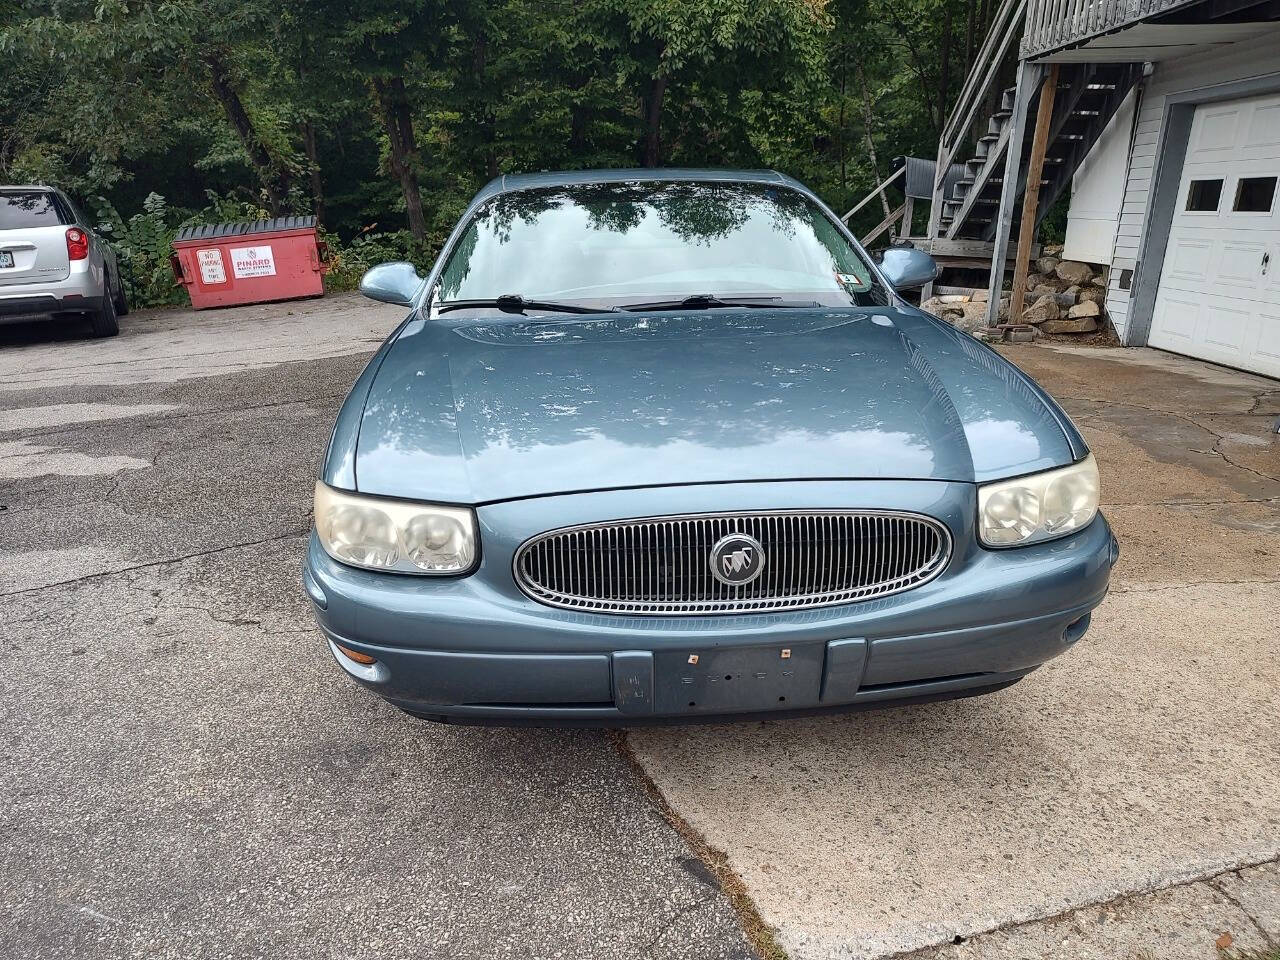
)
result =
(185, 773)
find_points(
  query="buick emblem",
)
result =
(737, 559)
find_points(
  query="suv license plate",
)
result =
(6, 259)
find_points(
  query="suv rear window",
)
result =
(28, 208)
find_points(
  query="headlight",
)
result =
(1039, 507)
(394, 535)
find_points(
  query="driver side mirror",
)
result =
(908, 268)
(396, 282)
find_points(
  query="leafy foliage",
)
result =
(384, 117)
(142, 243)
(142, 249)
(348, 262)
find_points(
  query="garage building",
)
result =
(1163, 122)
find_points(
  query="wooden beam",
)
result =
(1031, 195)
(982, 250)
(884, 225)
(1028, 75)
(877, 189)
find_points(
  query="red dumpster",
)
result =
(231, 263)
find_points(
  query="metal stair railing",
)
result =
(1005, 26)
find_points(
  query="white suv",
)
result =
(52, 264)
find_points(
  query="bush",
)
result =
(348, 262)
(143, 246)
(143, 243)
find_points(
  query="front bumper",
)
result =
(475, 648)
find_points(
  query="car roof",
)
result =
(27, 188)
(511, 182)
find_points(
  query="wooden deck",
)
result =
(1054, 24)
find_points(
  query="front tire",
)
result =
(103, 319)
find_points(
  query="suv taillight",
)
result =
(77, 244)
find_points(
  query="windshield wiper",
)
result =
(514, 303)
(704, 301)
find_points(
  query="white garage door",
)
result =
(1219, 292)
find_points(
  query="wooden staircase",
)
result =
(1087, 98)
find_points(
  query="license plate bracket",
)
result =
(781, 676)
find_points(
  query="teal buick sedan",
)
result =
(654, 446)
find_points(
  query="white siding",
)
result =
(1097, 191)
(1220, 64)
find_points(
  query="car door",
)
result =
(33, 238)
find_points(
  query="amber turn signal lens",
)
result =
(356, 655)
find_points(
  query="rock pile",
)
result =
(1062, 296)
(1065, 296)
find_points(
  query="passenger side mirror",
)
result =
(908, 268)
(396, 282)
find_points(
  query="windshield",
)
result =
(613, 244)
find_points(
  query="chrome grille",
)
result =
(661, 565)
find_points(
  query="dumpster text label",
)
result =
(211, 270)
(253, 262)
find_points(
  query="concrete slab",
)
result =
(1257, 893)
(169, 345)
(1145, 757)
(1197, 921)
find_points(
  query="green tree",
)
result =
(391, 113)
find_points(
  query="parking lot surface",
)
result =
(185, 772)
(1144, 757)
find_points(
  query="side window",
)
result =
(77, 216)
(1203, 196)
(65, 211)
(1254, 194)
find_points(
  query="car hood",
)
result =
(483, 410)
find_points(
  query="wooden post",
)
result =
(1028, 74)
(1031, 195)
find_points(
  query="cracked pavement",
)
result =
(1145, 759)
(187, 774)
(1239, 909)
(185, 771)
